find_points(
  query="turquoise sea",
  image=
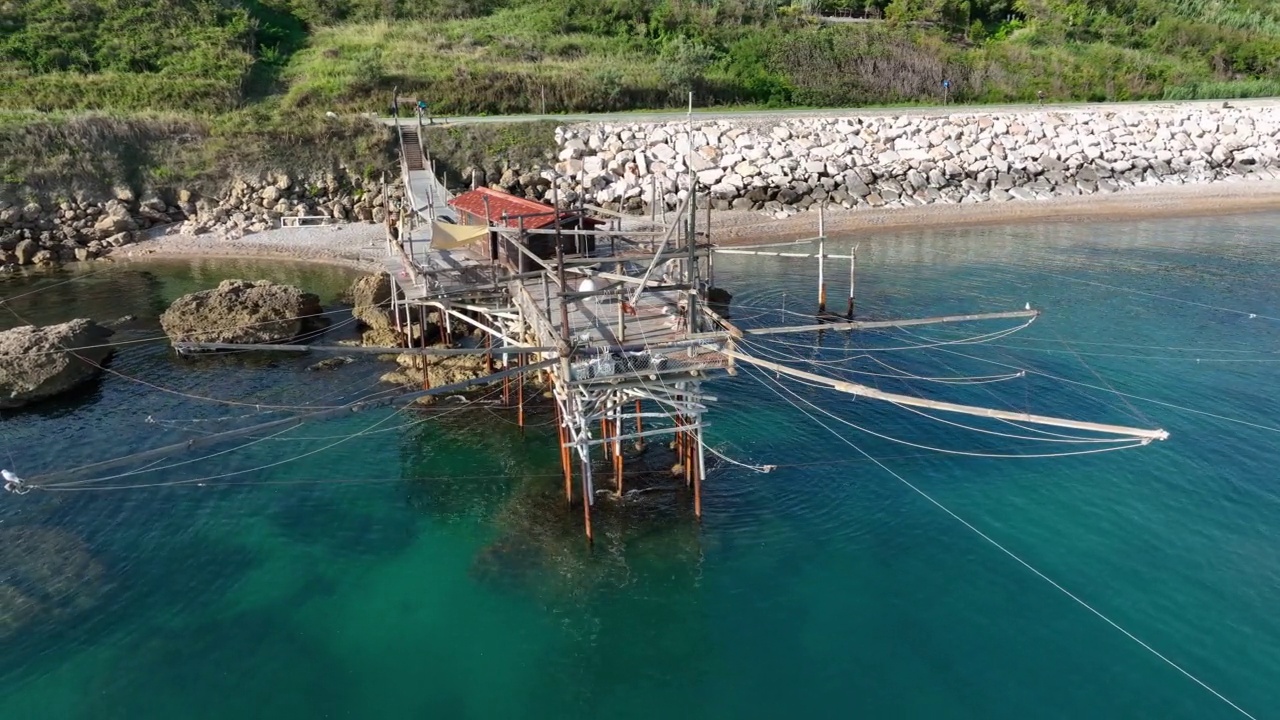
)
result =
(427, 568)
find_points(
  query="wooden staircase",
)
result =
(412, 149)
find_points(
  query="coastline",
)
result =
(1191, 200)
(359, 245)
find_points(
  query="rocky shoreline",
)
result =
(48, 231)
(771, 169)
(788, 166)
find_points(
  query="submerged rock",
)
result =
(243, 311)
(45, 574)
(332, 363)
(35, 364)
(438, 370)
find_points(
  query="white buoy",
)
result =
(12, 482)
(587, 286)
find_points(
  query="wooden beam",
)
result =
(874, 394)
(633, 436)
(872, 324)
(777, 244)
(728, 251)
(361, 350)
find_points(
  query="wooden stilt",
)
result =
(695, 460)
(586, 499)
(702, 471)
(688, 459)
(520, 394)
(822, 276)
(422, 341)
(565, 460)
(853, 269)
(617, 448)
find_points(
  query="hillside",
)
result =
(198, 90)
(514, 56)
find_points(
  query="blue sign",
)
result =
(946, 83)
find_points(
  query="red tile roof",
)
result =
(472, 202)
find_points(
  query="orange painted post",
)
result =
(520, 394)
(617, 450)
(564, 456)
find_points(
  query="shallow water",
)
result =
(430, 570)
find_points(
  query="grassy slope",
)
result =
(247, 81)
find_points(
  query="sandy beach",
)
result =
(360, 246)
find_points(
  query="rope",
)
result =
(775, 354)
(1062, 439)
(159, 338)
(1269, 428)
(754, 468)
(975, 340)
(946, 451)
(1027, 565)
(68, 488)
(1246, 313)
(54, 285)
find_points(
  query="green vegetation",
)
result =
(517, 56)
(266, 69)
(63, 152)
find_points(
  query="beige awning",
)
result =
(445, 236)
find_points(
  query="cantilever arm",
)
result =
(874, 394)
(871, 324)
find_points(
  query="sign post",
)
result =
(946, 91)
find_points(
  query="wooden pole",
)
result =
(822, 259)
(653, 198)
(565, 465)
(913, 401)
(520, 394)
(422, 338)
(853, 269)
(617, 446)
(564, 303)
(639, 429)
(697, 475)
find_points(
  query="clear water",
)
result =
(431, 570)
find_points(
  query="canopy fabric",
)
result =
(449, 237)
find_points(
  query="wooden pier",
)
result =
(616, 321)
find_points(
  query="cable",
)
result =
(1028, 566)
(160, 338)
(54, 285)
(754, 468)
(1268, 428)
(965, 453)
(65, 488)
(1249, 315)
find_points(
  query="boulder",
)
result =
(35, 363)
(242, 311)
(116, 221)
(370, 297)
(26, 251)
(438, 370)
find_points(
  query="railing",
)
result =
(300, 220)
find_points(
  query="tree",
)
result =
(685, 62)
